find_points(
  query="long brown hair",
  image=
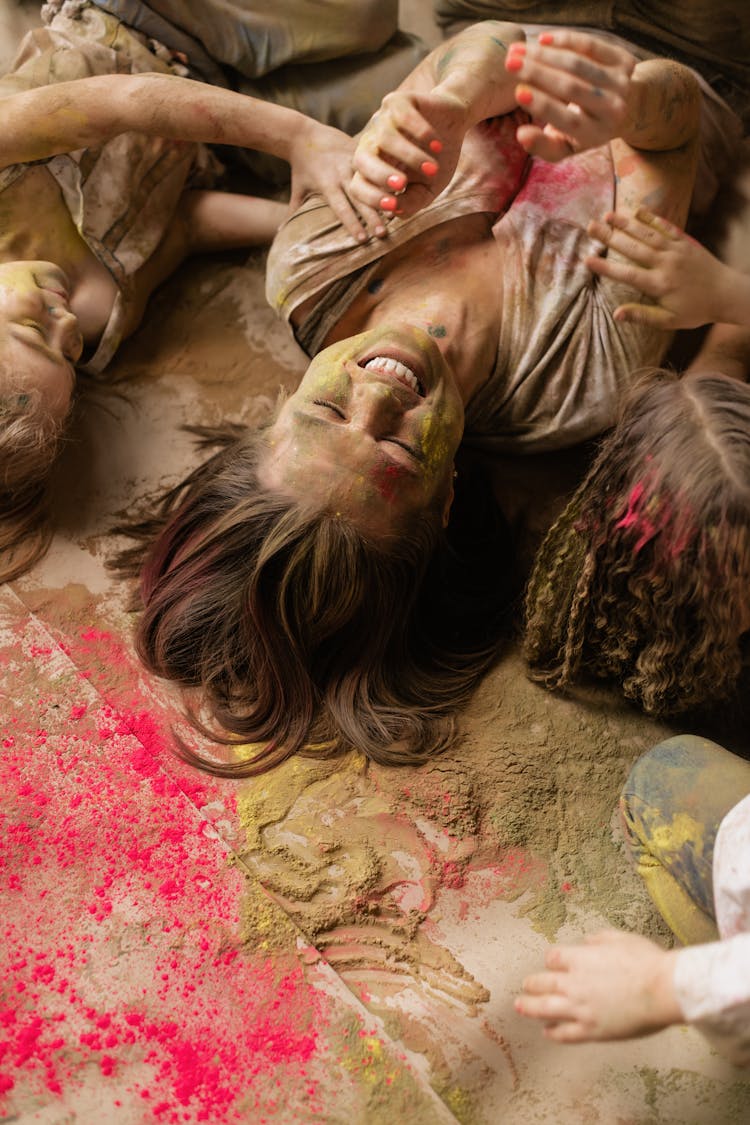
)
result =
(295, 626)
(646, 575)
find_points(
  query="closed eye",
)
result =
(32, 324)
(402, 444)
(392, 441)
(330, 406)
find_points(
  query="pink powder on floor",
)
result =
(120, 933)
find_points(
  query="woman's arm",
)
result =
(415, 137)
(87, 112)
(485, 71)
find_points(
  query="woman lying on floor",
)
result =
(292, 582)
(100, 171)
(686, 812)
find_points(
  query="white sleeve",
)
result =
(712, 985)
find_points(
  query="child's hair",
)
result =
(645, 578)
(299, 628)
(30, 441)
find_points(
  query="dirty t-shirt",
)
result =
(123, 195)
(561, 361)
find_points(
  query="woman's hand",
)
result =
(321, 161)
(576, 88)
(689, 285)
(408, 151)
(614, 986)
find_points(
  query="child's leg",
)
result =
(672, 805)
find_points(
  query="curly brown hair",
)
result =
(645, 577)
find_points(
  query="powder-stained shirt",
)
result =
(712, 982)
(123, 195)
(562, 362)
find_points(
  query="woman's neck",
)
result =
(447, 282)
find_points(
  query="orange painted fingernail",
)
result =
(546, 38)
(396, 182)
(388, 203)
(428, 167)
(513, 62)
(524, 96)
(517, 49)
(436, 146)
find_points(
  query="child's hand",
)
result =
(321, 161)
(614, 986)
(575, 86)
(407, 152)
(665, 264)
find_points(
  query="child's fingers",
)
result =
(347, 216)
(542, 984)
(368, 198)
(630, 245)
(658, 223)
(653, 315)
(547, 1007)
(635, 226)
(569, 1031)
(637, 277)
(360, 220)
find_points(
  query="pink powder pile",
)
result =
(121, 969)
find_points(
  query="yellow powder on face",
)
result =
(434, 445)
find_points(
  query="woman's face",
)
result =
(371, 430)
(40, 340)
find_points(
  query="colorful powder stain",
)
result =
(120, 968)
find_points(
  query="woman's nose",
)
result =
(375, 402)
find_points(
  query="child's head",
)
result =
(40, 342)
(645, 578)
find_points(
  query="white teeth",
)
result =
(394, 367)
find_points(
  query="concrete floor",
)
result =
(331, 943)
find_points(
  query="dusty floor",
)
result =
(333, 942)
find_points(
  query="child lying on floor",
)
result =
(651, 557)
(686, 810)
(101, 163)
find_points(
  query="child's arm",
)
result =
(689, 285)
(614, 986)
(726, 349)
(66, 116)
(205, 222)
